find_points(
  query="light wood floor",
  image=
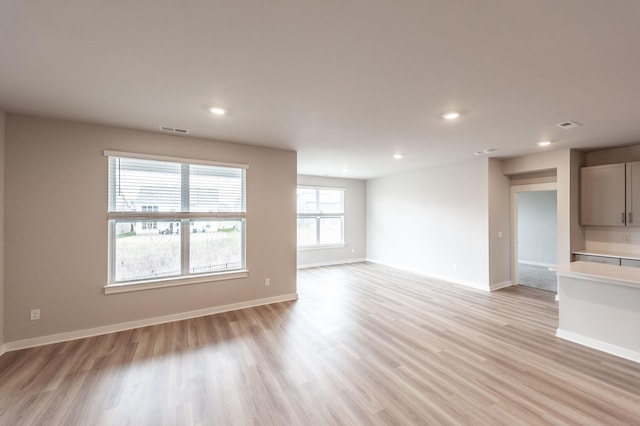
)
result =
(364, 344)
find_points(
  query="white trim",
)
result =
(515, 189)
(599, 345)
(175, 216)
(498, 286)
(471, 284)
(172, 282)
(154, 157)
(331, 263)
(114, 328)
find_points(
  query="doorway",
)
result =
(535, 237)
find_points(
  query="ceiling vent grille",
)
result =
(174, 130)
(568, 125)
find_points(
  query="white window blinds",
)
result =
(174, 187)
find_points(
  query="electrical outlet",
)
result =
(267, 282)
(455, 266)
(626, 238)
(35, 314)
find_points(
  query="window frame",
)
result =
(184, 218)
(318, 215)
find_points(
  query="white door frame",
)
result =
(534, 187)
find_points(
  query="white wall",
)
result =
(2, 148)
(355, 248)
(599, 311)
(537, 230)
(434, 222)
(56, 227)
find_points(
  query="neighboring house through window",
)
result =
(172, 218)
(149, 225)
(320, 216)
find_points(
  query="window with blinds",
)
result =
(320, 217)
(172, 218)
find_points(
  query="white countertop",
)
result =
(612, 274)
(602, 253)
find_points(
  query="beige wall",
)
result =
(612, 155)
(355, 227)
(499, 224)
(434, 222)
(56, 227)
(2, 147)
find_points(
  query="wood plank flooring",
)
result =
(364, 344)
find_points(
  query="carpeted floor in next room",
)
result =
(537, 277)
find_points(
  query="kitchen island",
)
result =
(599, 307)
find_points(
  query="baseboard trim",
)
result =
(331, 263)
(498, 286)
(599, 345)
(97, 331)
(471, 284)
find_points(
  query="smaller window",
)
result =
(320, 216)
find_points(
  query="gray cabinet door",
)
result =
(630, 262)
(602, 195)
(598, 259)
(633, 194)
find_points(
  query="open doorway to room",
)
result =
(535, 236)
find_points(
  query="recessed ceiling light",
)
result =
(217, 111)
(451, 115)
(397, 156)
(544, 143)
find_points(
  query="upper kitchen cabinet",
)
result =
(603, 196)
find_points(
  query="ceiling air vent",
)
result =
(568, 125)
(174, 130)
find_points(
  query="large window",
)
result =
(174, 219)
(320, 216)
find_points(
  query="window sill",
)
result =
(321, 247)
(172, 282)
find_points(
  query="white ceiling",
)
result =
(345, 83)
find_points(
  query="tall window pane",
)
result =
(307, 200)
(330, 201)
(216, 245)
(142, 253)
(215, 189)
(136, 183)
(307, 231)
(330, 230)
